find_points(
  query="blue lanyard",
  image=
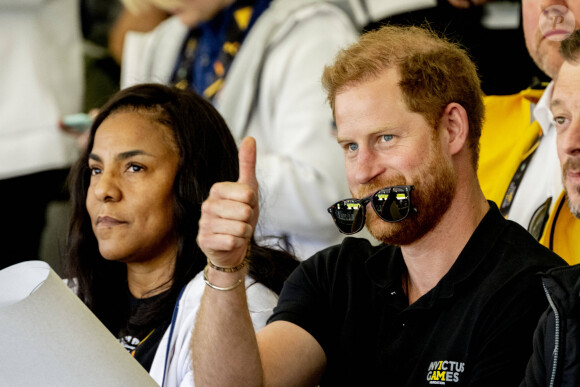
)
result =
(171, 327)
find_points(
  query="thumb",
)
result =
(247, 161)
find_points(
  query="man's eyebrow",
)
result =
(374, 132)
(121, 156)
(556, 103)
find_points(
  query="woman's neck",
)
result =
(146, 279)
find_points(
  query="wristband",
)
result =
(231, 269)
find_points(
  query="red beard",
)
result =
(434, 190)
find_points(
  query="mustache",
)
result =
(571, 165)
(375, 185)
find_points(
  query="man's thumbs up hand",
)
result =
(230, 213)
(247, 162)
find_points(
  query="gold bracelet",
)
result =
(218, 287)
(231, 269)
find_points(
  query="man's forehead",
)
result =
(371, 88)
(368, 106)
(568, 82)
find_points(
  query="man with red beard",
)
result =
(556, 360)
(449, 298)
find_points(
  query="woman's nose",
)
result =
(106, 187)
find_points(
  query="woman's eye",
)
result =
(94, 171)
(135, 168)
(386, 137)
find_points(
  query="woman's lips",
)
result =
(107, 221)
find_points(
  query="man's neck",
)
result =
(430, 258)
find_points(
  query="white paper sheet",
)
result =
(48, 337)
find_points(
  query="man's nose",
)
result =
(368, 166)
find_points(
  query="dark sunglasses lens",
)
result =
(392, 204)
(348, 216)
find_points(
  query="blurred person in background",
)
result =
(41, 73)
(104, 25)
(489, 29)
(519, 167)
(555, 361)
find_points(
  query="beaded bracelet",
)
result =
(219, 287)
(231, 269)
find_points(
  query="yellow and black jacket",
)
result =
(562, 232)
(507, 138)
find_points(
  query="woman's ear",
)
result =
(454, 121)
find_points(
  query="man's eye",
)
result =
(560, 120)
(387, 137)
(352, 146)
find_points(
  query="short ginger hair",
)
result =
(434, 72)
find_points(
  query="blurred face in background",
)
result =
(546, 23)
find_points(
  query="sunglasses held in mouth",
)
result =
(392, 204)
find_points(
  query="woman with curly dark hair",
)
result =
(153, 154)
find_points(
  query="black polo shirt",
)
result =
(475, 327)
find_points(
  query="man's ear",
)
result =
(454, 121)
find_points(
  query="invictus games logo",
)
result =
(557, 22)
(445, 371)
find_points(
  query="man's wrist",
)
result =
(231, 269)
(216, 283)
